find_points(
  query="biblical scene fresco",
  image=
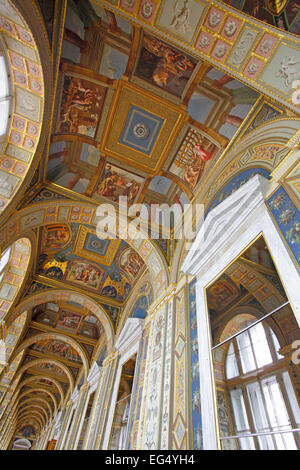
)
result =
(107, 267)
(81, 106)
(195, 150)
(116, 182)
(64, 319)
(222, 293)
(57, 349)
(164, 66)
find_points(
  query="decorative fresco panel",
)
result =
(107, 267)
(181, 17)
(287, 218)
(81, 106)
(116, 182)
(235, 184)
(195, 380)
(164, 66)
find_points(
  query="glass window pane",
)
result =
(260, 345)
(292, 397)
(231, 364)
(241, 420)
(259, 416)
(276, 344)
(246, 353)
(3, 262)
(4, 87)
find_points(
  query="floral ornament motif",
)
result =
(230, 28)
(266, 46)
(287, 216)
(220, 50)
(129, 3)
(36, 86)
(252, 68)
(32, 129)
(5, 25)
(214, 19)
(19, 124)
(204, 42)
(20, 77)
(296, 97)
(16, 137)
(25, 35)
(17, 62)
(147, 10)
(141, 131)
(293, 234)
(278, 202)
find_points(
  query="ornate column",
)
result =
(94, 380)
(127, 343)
(81, 403)
(64, 426)
(155, 414)
(102, 400)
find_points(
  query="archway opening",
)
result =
(254, 333)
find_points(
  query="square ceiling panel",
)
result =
(89, 246)
(141, 128)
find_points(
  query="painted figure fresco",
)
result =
(131, 262)
(195, 150)
(164, 66)
(85, 274)
(68, 320)
(81, 106)
(195, 381)
(55, 236)
(117, 182)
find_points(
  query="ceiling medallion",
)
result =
(147, 10)
(141, 131)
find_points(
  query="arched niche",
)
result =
(56, 337)
(53, 295)
(38, 362)
(38, 215)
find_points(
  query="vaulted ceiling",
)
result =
(136, 114)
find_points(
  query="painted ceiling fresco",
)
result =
(75, 255)
(149, 119)
(113, 138)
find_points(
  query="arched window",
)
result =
(260, 389)
(4, 262)
(5, 94)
